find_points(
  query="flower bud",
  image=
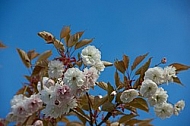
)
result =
(38, 123)
(164, 60)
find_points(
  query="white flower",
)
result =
(148, 88)
(91, 76)
(55, 69)
(74, 78)
(128, 95)
(33, 104)
(155, 74)
(90, 55)
(179, 106)
(46, 82)
(159, 97)
(99, 65)
(17, 99)
(169, 73)
(164, 110)
(59, 107)
(20, 109)
(38, 123)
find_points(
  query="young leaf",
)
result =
(125, 118)
(102, 85)
(108, 106)
(24, 57)
(106, 63)
(120, 66)
(48, 37)
(44, 56)
(32, 54)
(177, 80)
(110, 89)
(144, 68)
(138, 60)
(180, 67)
(99, 101)
(2, 45)
(74, 123)
(83, 43)
(58, 45)
(126, 61)
(140, 103)
(65, 31)
(117, 79)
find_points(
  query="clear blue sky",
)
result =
(161, 28)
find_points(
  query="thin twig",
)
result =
(109, 114)
(89, 105)
(80, 114)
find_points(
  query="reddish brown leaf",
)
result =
(99, 101)
(58, 45)
(44, 56)
(24, 57)
(140, 103)
(117, 79)
(180, 67)
(126, 61)
(143, 68)
(2, 45)
(108, 106)
(102, 85)
(75, 123)
(125, 118)
(32, 54)
(138, 60)
(120, 66)
(110, 89)
(83, 43)
(177, 80)
(65, 32)
(106, 63)
(48, 37)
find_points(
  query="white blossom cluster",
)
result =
(157, 96)
(59, 91)
(23, 107)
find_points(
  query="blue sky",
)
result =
(161, 28)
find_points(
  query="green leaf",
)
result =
(138, 60)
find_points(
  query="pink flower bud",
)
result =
(164, 60)
(38, 123)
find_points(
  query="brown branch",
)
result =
(80, 114)
(90, 110)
